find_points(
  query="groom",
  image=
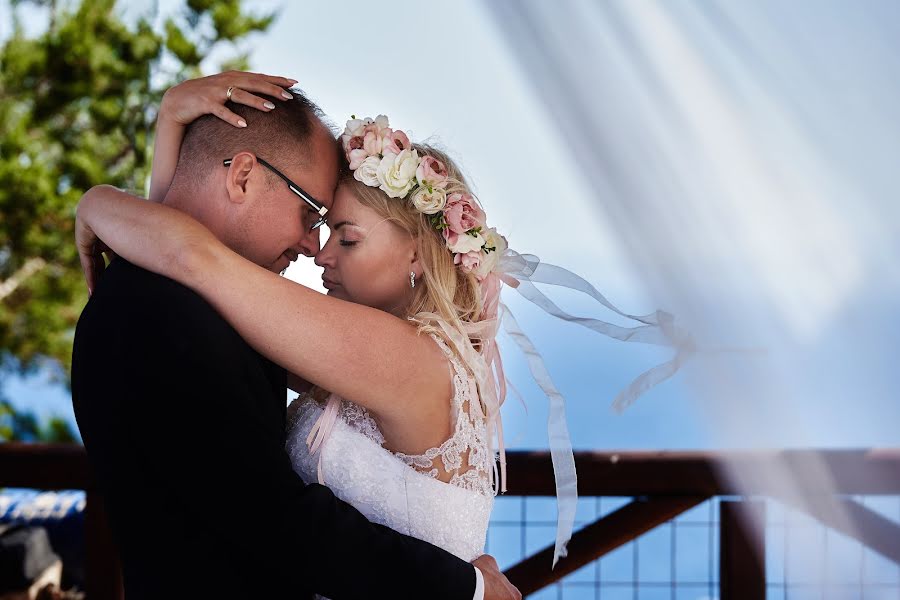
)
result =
(184, 423)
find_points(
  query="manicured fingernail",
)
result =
(268, 105)
(286, 95)
(293, 81)
(242, 123)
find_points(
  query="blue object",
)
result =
(61, 514)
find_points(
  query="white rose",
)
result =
(356, 127)
(367, 172)
(397, 173)
(381, 122)
(467, 243)
(492, 239)
(429, 202)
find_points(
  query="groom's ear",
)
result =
(237, 179)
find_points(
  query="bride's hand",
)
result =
(90, 249)
(89, 245)
(186, 102)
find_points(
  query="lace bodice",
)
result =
(403, 491)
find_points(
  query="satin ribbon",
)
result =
(521, 271)
(321, 429)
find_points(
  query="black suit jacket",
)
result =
(184, 425)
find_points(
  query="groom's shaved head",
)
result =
(245, 205)
(283, 136)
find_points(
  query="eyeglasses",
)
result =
(296, 189)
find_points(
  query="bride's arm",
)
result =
(166, 148)
(188, 101)
(360, 353)
(297, 383)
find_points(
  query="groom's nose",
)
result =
(309, 243)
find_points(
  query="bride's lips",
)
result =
(328, 284)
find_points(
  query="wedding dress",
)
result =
(403, 491)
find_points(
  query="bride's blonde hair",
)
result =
(444, 288)
(449, 295)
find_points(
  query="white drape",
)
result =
(745, 155)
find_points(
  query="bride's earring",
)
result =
(412, 279)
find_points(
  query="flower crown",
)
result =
(384, 158)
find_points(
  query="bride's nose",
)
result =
(324, 257)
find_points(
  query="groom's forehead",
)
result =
(317, 171)
(325, 155)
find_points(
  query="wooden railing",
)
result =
(662, 485)
(665, 484)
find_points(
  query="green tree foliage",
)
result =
(77, 108)
(23, 426)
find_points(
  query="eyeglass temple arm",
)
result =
(314, 205)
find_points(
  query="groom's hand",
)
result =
(496, 585)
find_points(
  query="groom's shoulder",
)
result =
(128, 294)
(123, 279)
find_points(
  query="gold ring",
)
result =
(229, 92)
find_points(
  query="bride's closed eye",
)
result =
(347, 243)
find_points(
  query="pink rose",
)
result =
(461, 243)
(356, 128)
(361, 128)
(353, 150)
(468, 260)
(372, 141)
(462, 214)
(352, 143)
(356, 158)
(395, 142)
(432, 172)
(450, 237)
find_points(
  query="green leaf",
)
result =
(179, 45)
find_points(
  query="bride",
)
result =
(396, 367)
